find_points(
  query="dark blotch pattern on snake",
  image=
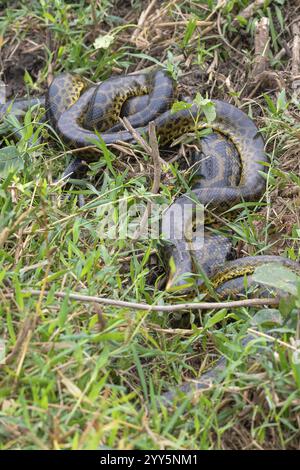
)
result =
(231, 171)
(234, 154)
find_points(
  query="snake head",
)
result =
(181, 279)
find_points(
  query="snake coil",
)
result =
(231, 167)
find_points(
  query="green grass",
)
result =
(83, 376)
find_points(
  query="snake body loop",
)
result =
(234, 171)
(231, 171)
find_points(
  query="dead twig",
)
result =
(274, 340)
(226, 42)
(24, 333)
(261, 44)
(269, 79)
(155, 308)
(169, 24)
(296, 58)
(154, 153)
(261, 76)
(142, 19)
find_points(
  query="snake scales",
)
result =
(234, 155)
(75, 109)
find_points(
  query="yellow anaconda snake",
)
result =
(235, 149)
(230, 168)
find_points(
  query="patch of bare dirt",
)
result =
(22, 52)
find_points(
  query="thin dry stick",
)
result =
(219, 5)
(78, 150)
(261, 44)
(285, 51)
(275, 340)
(139, 138)
(23, 334)
(155, 156)
(156, 179)
(226, 42)
(296, 57)
(168, 24)
(8, 230)
(261, 75)
(135, 134)
(142, 19)
(24, 349)
(155, 308)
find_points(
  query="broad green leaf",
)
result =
(278, 276)
(216, 318)
(267, 315)
(281, 101)
(210, 112)
(242, 21)
(10, 161)
(179, 106)
(206, 106)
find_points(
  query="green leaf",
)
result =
(281, 101)
(63, 312)
(279, 17)
(296, 368)
(286, 305)
(267, 315)
(191, 26)
(278, 276)
(210, 112)
(10, 161)
(216, 318)
(179, 106)
(172, 66)
(28, 125)
(48, 16)
(18, 293)
(2, 351)
(28, 79)
(270, 104)
(140, 371)
(206, 106)
(242, 21)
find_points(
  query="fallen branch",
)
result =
(155, 308)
